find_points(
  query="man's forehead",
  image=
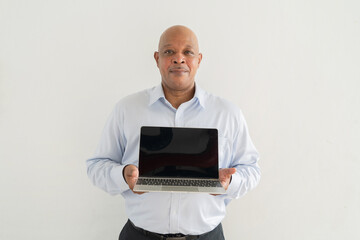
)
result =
(178, 35)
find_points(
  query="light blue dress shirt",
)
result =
(187, 213)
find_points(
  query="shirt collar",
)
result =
(157, 93)
(200, 95)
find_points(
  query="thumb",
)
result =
(134, 173)
(131, 174)
(228, 171)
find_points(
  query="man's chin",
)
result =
(179, 84)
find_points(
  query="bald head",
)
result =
(178, 32)
(178, 59)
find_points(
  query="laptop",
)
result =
(173, 159)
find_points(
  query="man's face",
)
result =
(178, 59)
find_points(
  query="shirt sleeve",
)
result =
(245, 159)
(105, 169)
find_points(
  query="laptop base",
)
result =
(183, 189)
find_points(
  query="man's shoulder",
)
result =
(134, 99)
(214, 101)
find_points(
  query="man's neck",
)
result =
(178, 97)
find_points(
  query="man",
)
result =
(177, 102)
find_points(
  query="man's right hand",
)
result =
(131, 174)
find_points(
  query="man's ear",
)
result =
(156, 57)
(200, 58)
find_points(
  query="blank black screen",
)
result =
(178, 152)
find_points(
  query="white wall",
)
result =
(292, 66)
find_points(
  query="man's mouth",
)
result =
(178, 70)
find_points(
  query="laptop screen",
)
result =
(178, 152)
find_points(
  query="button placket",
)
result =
(179, 120)
(174, 214)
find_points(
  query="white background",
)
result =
(293, 67)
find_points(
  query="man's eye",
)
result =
(189, 53)
(168, 52)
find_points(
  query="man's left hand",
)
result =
(225, 176)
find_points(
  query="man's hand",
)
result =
(225, 176)
(131, 174)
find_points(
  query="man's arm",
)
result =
(105, 169)
(244, 160)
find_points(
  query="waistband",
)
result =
(157, 236)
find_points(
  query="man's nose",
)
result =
(178, 58)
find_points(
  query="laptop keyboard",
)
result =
(178, 182)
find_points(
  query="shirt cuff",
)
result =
(117, 177)
(233, 188)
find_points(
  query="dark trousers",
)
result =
(130, 233)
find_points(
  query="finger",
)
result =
(138, 192)
(224, 182)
